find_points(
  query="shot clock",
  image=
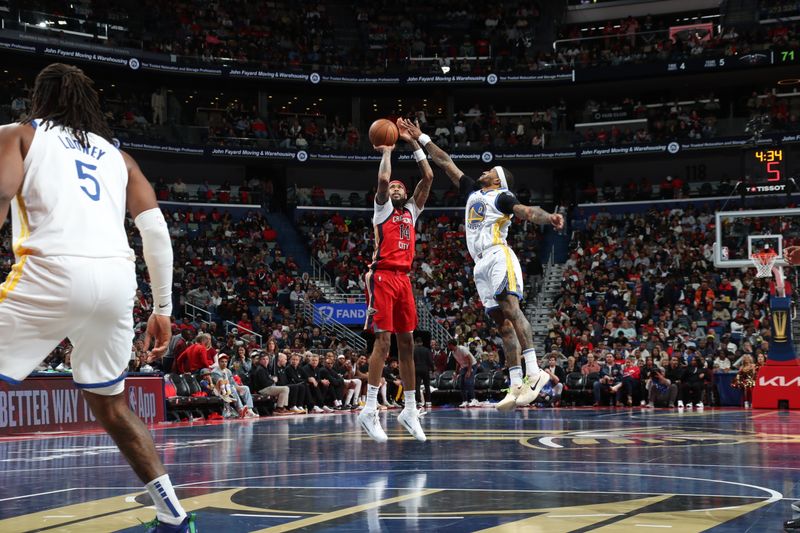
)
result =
(767, 165)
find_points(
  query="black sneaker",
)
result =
(792, 524)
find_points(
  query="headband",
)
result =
(502, 175)
(403, 185)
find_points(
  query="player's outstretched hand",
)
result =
(159, 333)
(403, 129)
(411, 127)
(383, 149)
(557, 221)
(792, 255)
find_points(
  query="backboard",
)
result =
(739, 234)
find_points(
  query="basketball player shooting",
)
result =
(74, 276)
(390, 301)
(497, 273)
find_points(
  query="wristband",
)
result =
(419, 155)
(424, 139)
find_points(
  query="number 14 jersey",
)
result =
(394, 236)
(73, 198)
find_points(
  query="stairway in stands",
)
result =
(539, 308)
(290, 241)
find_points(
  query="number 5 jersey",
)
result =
(73, 198)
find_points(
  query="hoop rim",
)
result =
(764, 257)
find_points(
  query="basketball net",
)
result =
(765, 267)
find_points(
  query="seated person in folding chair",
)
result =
(661, 391)
(692, 383)
(629, 383)
(610, 376)
(551, 392)
(394, 385)
(240, 393)
(318, 386)
(265, 384)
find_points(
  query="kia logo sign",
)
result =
(779, 381)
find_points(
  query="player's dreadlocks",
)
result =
(65, 96)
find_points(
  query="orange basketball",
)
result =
(383, 132)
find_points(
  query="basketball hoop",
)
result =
(764, 261)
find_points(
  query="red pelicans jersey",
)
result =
(394, 236)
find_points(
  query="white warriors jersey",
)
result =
(73, 199)
(486, 225)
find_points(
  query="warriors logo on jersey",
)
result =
(476, 214)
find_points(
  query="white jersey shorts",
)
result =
(497, 272)
(89, 300)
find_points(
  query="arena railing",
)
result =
(429, 323)
(558, 43)
(230, 325)
(318, 272)
(195, 311)
(355, 341)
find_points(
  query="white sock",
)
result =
(411, 399)
(349, 398)
(531, 364)
(168, 508)
(383, 393)
(515, 373)
(372, 398)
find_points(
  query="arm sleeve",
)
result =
(505, 203)
(466, 186)
(157, 252)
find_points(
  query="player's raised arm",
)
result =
(384, 174)
(157, 252)
(423, 188)
(537, 215)
(440, 157)
(11, 167)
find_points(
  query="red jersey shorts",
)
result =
(390, 302)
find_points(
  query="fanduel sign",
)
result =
(347, 314)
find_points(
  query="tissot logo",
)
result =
(779, 381)
(766, 188)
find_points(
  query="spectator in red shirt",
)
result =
(630, 381)
(269, 234)
(244, 323)
(318, 195)
(196, 357)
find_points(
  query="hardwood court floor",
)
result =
(556, 470)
